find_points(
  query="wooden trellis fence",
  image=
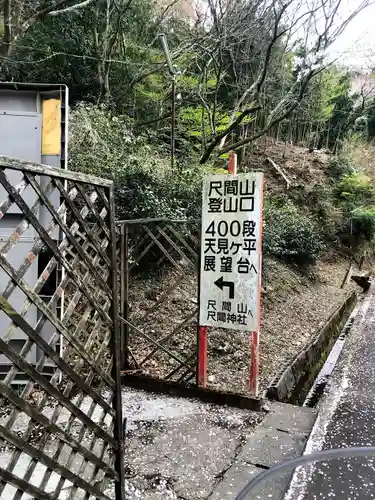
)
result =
(158, 276)
(62, 435)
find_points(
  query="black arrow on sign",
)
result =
(221, 284)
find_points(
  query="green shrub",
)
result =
(290, 234)
(363, 223)
(321, 200)
(141, 194)
(105, 145)
(359, 228)
(339, 166)
(355, 189)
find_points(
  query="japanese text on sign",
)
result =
(231, 251)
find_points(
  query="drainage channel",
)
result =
(317, 389)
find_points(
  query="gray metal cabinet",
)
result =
(21, 119)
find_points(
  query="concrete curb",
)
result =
(161, 386)
(282, 435)
(292, 385)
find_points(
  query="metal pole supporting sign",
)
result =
(231, 259)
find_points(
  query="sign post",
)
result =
(231, 249)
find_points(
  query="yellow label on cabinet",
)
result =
(51, 131)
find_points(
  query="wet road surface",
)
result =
(346, 418)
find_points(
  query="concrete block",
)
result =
(240, 474)
(289, 418)
(300, 363)
(281, 436)
(286, 384)
(268, 447)
(236, 478)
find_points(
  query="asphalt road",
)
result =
(346, 418)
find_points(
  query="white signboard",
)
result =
(231, 251)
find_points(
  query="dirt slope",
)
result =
(302, 168)
(293, 308)
(294, 305)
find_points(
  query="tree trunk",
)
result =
(328, 132)
(203, 142)
(5, 45)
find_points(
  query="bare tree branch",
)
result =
(320, 21)
(20, 16)
(229, 129)
(276, 117)
(7, 22)
(71, 8)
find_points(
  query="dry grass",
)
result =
(361, 154)
(303, 168)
